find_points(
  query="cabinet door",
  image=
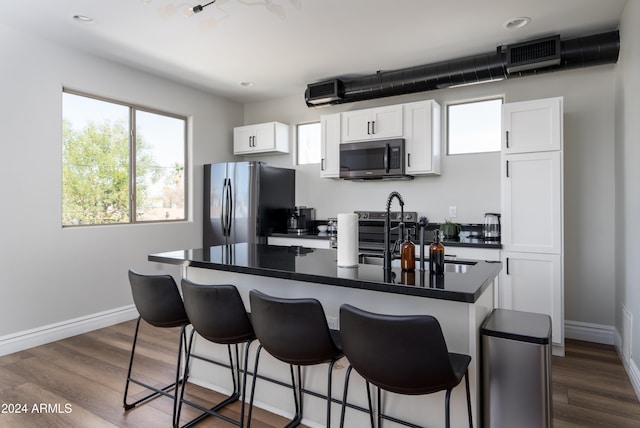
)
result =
(330, 146)
(372, 124)
(533, 283)
(532, 202)
(265, 139)
(356, 125)
(422, 137)
(243, 139)
(532, 126)
(386, 122)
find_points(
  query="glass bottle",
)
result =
(436, 255)
(408, 253)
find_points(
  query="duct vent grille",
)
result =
(323, 92)
(535, 54)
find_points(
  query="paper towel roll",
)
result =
(347, 240)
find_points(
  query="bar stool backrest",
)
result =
(217, 312)
(157, 299)
(405, 354)
(293, 330)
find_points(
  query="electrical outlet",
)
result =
(332, 322)
(453, 211)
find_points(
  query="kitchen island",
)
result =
(460, 300)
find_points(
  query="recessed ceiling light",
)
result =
(247, 84)
(82, 18)
(517, 23)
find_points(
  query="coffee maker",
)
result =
(301, 220)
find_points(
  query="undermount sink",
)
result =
(456, 267)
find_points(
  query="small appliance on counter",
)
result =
(332, 226)
(491, 229)
(301, 220)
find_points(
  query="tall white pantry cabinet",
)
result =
(532, 278)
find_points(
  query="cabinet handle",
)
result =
(409, 160)
(369, 128)
(507, 168)
(322, 164)
(507, 139)
(507, 265)
(373, 126)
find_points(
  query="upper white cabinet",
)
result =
(532, 126)
(372, 124)
(330, 146)
(261, 138)
(422, 137)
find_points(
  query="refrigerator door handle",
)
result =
(229, 207)
(223, 217)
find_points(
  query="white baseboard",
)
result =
(634, 376)
(630, 366)
(597, 333)
(50, 333)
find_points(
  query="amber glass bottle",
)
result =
(408, 254)
(436, 255)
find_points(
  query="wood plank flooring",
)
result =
(79, 381)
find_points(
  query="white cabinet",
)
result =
(532, 282)
(261, 138)
(330, 146)
(372, 124)
(532, 202)
(532, 211)
(422, 137)
(532, 126)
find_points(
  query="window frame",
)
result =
(469, 101)
(133, 107)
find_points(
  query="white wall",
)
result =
(50, 274)
(627, 180)
(472, 182)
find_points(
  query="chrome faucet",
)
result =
(388, 252)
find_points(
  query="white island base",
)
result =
(460, 322)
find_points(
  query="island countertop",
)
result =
(465, 283)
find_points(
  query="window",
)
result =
(120, 163)
(474, 127)
(308, 143)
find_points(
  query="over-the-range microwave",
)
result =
(368, 160)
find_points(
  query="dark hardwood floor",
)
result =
(78, 382)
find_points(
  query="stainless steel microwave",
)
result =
(370, 160)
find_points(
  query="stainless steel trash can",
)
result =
(516, 370)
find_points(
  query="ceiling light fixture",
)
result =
(197, 9)
(517, 23)
(82, 18)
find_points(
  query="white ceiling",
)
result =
(282, 45)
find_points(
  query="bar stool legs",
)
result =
(182, 346)
(239, 380)
(298, 391)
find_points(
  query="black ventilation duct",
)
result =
(522, 59)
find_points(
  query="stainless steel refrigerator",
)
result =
(245, 202)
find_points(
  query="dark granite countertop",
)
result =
(319, 266)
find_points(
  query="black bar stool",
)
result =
(218, 315)
(159, 303)
(404, 354)
(294, 331)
